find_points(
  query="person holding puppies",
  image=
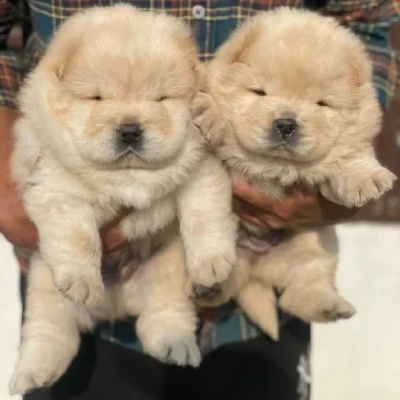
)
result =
(253, 369)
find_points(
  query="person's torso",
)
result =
(211, 21)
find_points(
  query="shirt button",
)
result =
(198, 12)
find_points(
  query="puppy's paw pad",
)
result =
(81, 288)
(207, 294)
(212, 270)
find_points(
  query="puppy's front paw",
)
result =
(80, 286)
(173, 343)
(357, 192)
(168, 334)
(178, 350)
(370, 187)
(205, 114)
(212, 270)
(40, 365)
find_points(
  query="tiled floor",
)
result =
(354, 360)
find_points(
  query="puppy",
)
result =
(106, 127)
(290, 101)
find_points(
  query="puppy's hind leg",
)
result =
(303, 270)
(159, 293)
(311, 295)
(50, 334)
(307, 282)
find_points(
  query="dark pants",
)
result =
(254, 370)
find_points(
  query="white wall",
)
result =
(359, 359)
(10, 314)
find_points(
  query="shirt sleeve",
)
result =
(10, 65)
(372, 21)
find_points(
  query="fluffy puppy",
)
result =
(106, 126)
(290, 101)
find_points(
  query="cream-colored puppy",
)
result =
(291, 101)
(106, 126)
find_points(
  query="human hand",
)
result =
(298, 209)
(14, 223)
(19, 230)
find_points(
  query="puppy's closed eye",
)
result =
(96, 98)
(322, 103)
(259, 92)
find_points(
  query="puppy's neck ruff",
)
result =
(141, 187)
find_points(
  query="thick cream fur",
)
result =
(299, 59)
(74, 179)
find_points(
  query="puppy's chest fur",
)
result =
(151, 195)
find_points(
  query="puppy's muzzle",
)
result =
(285, 129)
(131, 135)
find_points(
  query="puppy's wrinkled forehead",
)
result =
(297, 58)
(299, 51)
(124, 60)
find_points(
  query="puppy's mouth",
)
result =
(283, 146)
(282, 151)
(128, 153)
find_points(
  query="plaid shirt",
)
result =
(212, 21)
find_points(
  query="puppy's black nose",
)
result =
(131, 134)
(285, 127)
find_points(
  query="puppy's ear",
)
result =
(232, 51)
(360, 73)
(360, 64)
(59, 53)
(63, 45)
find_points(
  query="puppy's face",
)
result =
(122, 90)
(291, 85)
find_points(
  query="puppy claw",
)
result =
(85, 289)
(178, 350)
(40, 365)
(356, 193)
(184, 353)
(206, 116)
